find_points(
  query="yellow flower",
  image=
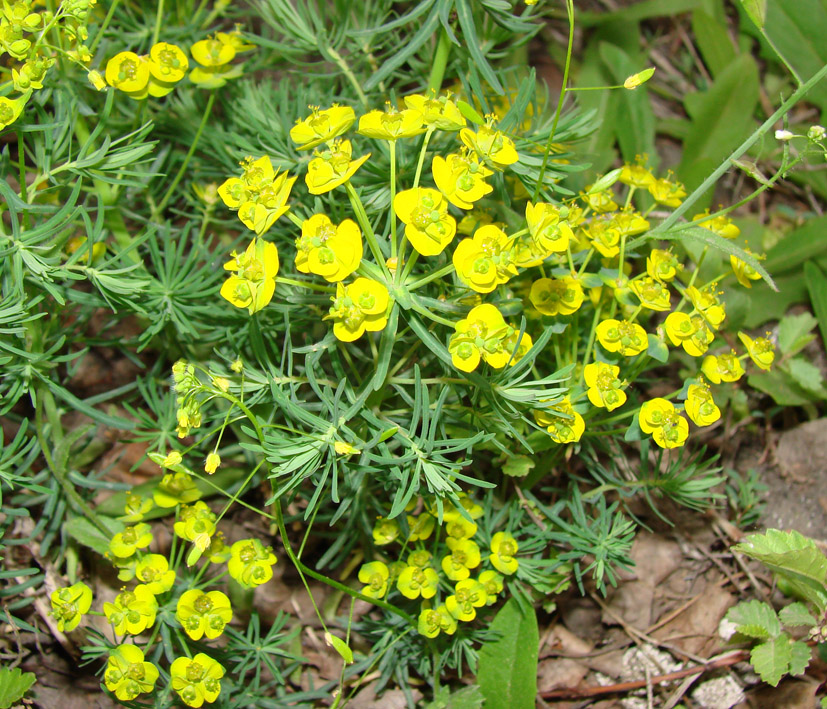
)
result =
(699, 406)
(562, 422)
(604, 238)
(167, 66)
(602, 201)
(322, 125)
(201, 613)
(760, 350)
(175, 488)
(744, 273)
(707, 304)
(361, 306)
(503, 550)
(154, 572)
(69, 604)
(375, 574)
(691, 332)
(196, 680)
(125, 544)
(724, 367)
(492, 582)
(547, 227)
(651, 293)
(97, 80)
(416, 581)
(637, 175)
(132, 612)
(214, 55)
(128, 72)
(469, 595)
(662, 265)
(514, 350)
(421, 527)
(628, 223)
(484, 262)
(391, 124)
(333, 252)
(604, 388)
(251, 563)
(473, 221)
(464, 556)
(491, 145)
(428, 226)
(127, 674)
(622, 336)
(196, 523)
(478, 336)
(461, 178)
(212, 462)
(260, 195)
(252, 283)
(668, 193)
(556, 296)
(721, 225)
(385, 531)
(437, 111)
(659, 418)
(433, 621)
(459, 528)
(332, 167)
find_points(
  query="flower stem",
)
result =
(364, 222)
(393, 197)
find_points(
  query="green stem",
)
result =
(422, 310)
(305, 284)
(393, 197)
(563, 89)
(364, 222)
(163, 203)
(159, 14)
(449, 268)
(440, 62)
(346, 70)
(21, 164)
(104, 25)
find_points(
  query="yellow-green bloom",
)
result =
(492, 582)
(437, 111)
(260, 195)
(321, 126)
(637, 175)
(133, 611)
(218, 552)
(330, 251)
(361, 306)
(201, 613)
(547, 227)
(175, 489)
(154, 572)
(668, 193)
(464, 556)
(602, 201)
(136, 507)
(690, 332)
(662, 265)
(196, 680)
(479, 336)
(212, 462)
(503, 550)
(628, 223)
(251, 563)
(556, 296)
(167, 66)
(603, 236)
(332, 167)
(428, 226)
(724, 367)
(214, 55)
(126, 543)
(452, 512)
(461, 178)
(484, 261)
(385, 531)
(706, 302)
(760, 350)
(253, 280)
(196, 523)
(659, 418)
(127, 674)
(493, 146)
(433, 621)
(622, 336)
(604, 387)
(721, 225)
(391, 124)
(699, 406)
(128, 72)
(69, 604)
(562, 422)
(419, 558)
(375, 574)
(651, 293)
(744, 273)
(421, 527)
(10, 109)
(459, 528)
(469, 595)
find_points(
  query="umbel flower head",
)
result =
(484, 261)
(361, 306)
(69, 604)
(127, 674)
(321, 126)
(556, 296)
(437, 111)
(196, 680)
(659, 418)
(428, 226)
(330, 251)
(253, 280)
(461, 178)
(491, 145)
(214, 56)
(133, 611)
(201, 613)
(391, 124)
(251, 563)
(260, 195)
(332, 167)
(604, 388)
(479, 336)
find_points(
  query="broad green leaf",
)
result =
(657, 348)
(755, 619)
(793, 332)
(796, 614)
(817, 288)
(466, 698)
(339, 646)
(518, 466)
(723, 119)
(86, 533)
(780, 385)
(639, 11)
(756, 10)
(800, 657)
(508, 666)
(794, 557)
(807, 376)
(799, 246)
(771, 659)
(14, 683)
(713, 41)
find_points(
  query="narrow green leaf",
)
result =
(713, 41)
(87, 534)
(508, 666)
(796, 614)
(756, 10)
(473, 44)
(386, 348)
(14, 683)
(339, 646)
(467, 110)
(817, 288)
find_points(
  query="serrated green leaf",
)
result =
(793, 331)
(807, 376)
(771, 660)
(508, 666)
(794, 557)
(339, 646)
(817, 288)
(14, 683)
(755, 619)
(756, 11)
(800, 655)
(518, 466)
(466, 698)
(796, 614)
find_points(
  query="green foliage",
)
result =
(14, 683)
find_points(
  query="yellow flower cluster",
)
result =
(484, 335)
(154, 74)
(457, 558)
